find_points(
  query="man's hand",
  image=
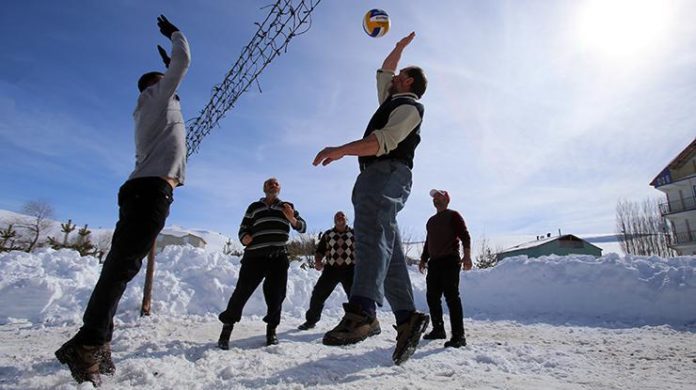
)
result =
(318, 265)
(405, 41)
(466, 263)
(246, 240)
(166, 28)
(164, 55)
(327, 156)
(289, 213)
(422, 266)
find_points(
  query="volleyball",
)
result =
(376, 23)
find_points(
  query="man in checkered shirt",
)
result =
(336, 245)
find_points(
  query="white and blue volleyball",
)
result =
(376, 23)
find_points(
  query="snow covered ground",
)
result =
(571, 322)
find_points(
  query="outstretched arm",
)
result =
(368, 146)
(392, 60)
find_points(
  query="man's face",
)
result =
(439, 201)
(271, 187)
(401, 82)
(340, 220)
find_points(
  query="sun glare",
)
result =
(624, 29)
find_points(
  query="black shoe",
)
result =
(456, 342)
(307, 325)
(271, 338)
(82, 360)
(224, 340)
(355, 327)
(435, 334)
(408, 335)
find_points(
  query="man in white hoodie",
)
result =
(143, 200)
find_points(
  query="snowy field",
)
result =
(571, 322)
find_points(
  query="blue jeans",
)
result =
(380, 192)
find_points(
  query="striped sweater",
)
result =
(268, 227)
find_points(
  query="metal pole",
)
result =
(149, 275)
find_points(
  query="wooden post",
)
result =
(149, 275)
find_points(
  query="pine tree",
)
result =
(67, 228)
(7, 239)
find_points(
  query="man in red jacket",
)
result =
(445, 230)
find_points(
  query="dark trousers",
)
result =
(273, 270)
(143, 209)
(329, 279)
(443, 278)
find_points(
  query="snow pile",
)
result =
(52, 287)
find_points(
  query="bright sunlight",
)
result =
(625, 30)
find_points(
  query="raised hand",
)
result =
(405, 40)
(164, 55)
(166, 28)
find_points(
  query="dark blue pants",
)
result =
(273, 270)
(143, 209)
(443, 279)
(329, 279)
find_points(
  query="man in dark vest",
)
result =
(386, 154)
(337, 246)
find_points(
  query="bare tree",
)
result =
(302, 247)
(486, 257)
(641, 229)
(409, 242)
(41, 213)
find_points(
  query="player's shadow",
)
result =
(337, 368)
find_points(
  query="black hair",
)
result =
(145, 80)
(420, 82)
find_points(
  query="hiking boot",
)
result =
(307, 325)
(356, 326)
(438, 332)
(106, 364)
(82, 361)
(271, 338)
(224, 340)
(456, 342)
(407, 336)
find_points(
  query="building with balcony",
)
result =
(678, 182)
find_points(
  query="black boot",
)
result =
(224, 340)
(307, 325)
(456, 341)
(271, 338)
(438, 332)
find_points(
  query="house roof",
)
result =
(180, 234)
(678, 161)
(544, 241)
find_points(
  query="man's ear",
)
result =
(408, 82)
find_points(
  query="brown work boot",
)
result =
(83, 361)
(407, 336)
(106, 364)
(355, 327)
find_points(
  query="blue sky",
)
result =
(540, 115)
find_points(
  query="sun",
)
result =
(624, 29)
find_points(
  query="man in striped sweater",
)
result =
(264, 232)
